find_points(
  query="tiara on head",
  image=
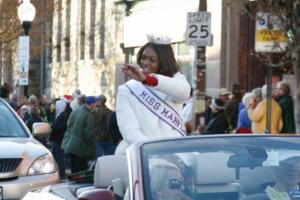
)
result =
(159, 39)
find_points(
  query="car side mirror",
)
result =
(97, 194)
(41, 129)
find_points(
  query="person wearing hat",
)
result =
(79, 140)
(105, 144)
(224, 95)
(218, 123)
(232, 106)
(67, 98)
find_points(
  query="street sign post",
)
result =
(269, 38)
(198, 29)
(269, 33)
(198, 34)
(23, 59)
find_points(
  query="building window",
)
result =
(58, 34)
(68, 27)
(92, 28)
(82, 29)
(102, 29)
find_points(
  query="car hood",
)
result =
(21, 148)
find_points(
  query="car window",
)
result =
(231, 168)
(9, 125)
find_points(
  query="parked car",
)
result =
(24, 162)
(228, 167)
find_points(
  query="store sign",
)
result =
(23, 59)
(199, 29)
(269, 33)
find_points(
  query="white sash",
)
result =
(158, 107)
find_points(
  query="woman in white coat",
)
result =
(149, 105)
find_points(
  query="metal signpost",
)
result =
(269, 38)
(199, 35)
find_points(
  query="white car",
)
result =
(24, 162)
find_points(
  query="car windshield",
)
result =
(227, 168)
(9, 124)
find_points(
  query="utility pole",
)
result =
(26, 14)
(269, 99)
(201, 72)
(1, 63)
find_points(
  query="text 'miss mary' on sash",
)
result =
(157, 106)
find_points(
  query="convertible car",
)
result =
(228, 167)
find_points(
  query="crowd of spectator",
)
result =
(83, 127)
(237, 111)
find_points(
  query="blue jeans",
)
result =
(105, 148)
(58, 154)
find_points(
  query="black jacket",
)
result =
(113, 128)
(218, 124)
(59, 127)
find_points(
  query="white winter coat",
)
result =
(137, 123)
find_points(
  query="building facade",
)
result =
(92, 38)
(86, 50)
(169, 17)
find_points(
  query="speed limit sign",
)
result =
(198, 29)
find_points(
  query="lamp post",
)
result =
(26, 14)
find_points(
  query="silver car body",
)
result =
(17, 155)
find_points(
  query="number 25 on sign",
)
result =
(198, 29)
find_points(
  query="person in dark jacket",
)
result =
(218, 123)
(113, 129)
(43, 106)
(79, 139)
(232, 106)
(32, 101)
(51, 114)
(59, 128)
(104, 144)
(207, 112)
(5, 90)
(287, 107)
